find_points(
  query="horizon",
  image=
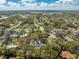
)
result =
(39, 10)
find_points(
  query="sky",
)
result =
(39, 4)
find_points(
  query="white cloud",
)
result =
(13, 5)
(65, 1)
(35, 6)
(2, 1)
(27, 5)
(27, 0)
(24, 0)
(4, 7)
(60, 5)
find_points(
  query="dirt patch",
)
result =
(1, 57)
(12, 58)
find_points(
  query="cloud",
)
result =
(2, 1)
(45, 6)
(13, 5)
(76, 2)
(36, 6)
(27, 1)
(33, 5)
(58, 5)
(65, 2)
(5, 7)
